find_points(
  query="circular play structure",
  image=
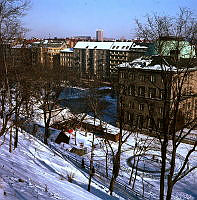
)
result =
(151, 163)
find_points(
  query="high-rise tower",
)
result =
(99, 35)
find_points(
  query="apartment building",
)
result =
(66, 57)
(100, 58)
(47, 52)
(92, 59)
(141, 89)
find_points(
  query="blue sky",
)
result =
(65, 18)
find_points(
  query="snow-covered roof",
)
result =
(93, 45)
(145, 64)
(121, 46)
(67, 50)
(38, 42)
(18, 46)
(112, 46)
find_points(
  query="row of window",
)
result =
(118, 57)
(123, 47)
(141, 121)
(141, 107)
(151, 108)
(150, 92)
(121, 53)
(141, 77)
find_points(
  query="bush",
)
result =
(70, 176)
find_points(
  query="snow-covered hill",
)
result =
(33, 171)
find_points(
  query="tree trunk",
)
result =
(163, 169)
(91, 159)
(75, 138)
(133, 165)
(106, 160)
(16, 138)
(170, 176)
(10, 144)
(115, 171)
(111, 187)
(106, 164)
(90, 179)
(46, 134)
(136, 170)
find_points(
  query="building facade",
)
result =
(99, 35)
(92, 59)
(143, 91)
(47, 52)
(66, 58)
(100, 58)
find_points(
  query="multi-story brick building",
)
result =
(92, 58)
(100, 58)
(47, 52)
(66, 57)
(141, 89)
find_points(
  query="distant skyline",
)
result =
(66, 18)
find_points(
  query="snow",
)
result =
(67, 50)
(112, 46)
(33, 171)
(184, 189)
(93, 45)
(145, 64)
(104, 88)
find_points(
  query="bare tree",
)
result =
(182, 28)
(11, 12)
(96, 107)
(122, 139)
(46, 92)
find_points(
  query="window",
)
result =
(132, 76)
(123, 47)
(161, 93)
(127, 47)
(131, 105)
(160, 124)
(142, 77)
(151, 108)
(141, 107)
(131, 90)
(140, 121)
(117, 47)
(113, 47)
(152, 92)
(130, 117)
(141, 91)
(161, 110)
(122, 75)
(153, 78)
(151, 123)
